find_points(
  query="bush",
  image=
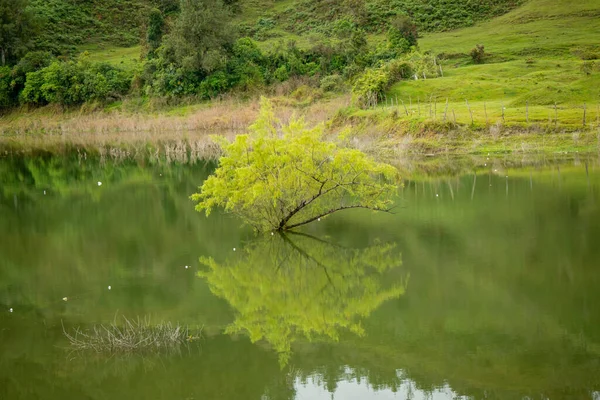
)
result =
(332, 83)
(370, 87)
(72, 83)
(399, 70)
(478, 54)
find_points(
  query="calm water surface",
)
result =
(485, 284)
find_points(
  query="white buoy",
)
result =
(437, 195)
(319, 219)
(186, 267)
(11, 310)
(65, 299)
(234, 249)
(99, 183)
(272, 233)
(44, 192)
(109, 287)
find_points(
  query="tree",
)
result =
(154, 34)
(289, 287)
(199, 36)
(16, 27)
(402, 33)
(276, 182)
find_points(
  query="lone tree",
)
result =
(282, 182)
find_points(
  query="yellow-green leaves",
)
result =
(290, 287)
(280, 180)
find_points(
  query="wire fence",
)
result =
(482, 113)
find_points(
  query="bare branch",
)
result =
(331, 211)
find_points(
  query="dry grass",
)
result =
(132, 336)
(53, 129)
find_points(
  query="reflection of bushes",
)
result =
(285, 288)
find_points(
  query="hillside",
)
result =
(67, 24)
(541, 54)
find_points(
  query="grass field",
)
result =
(123, 57)
(535, 61)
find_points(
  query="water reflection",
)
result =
(288, 287)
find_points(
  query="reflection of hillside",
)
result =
(287, 287)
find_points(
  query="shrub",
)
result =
(478, 54)
(369, 88)
(399, 70)
(332, 83)
(71, 83)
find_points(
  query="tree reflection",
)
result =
(288, 287)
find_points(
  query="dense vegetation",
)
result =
(203, 48)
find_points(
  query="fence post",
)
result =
(470, 112)
(430, 109)
(485, 110)
(446, 110)
(404, 105)
(502, 105)
(454, 115)
(584, 110)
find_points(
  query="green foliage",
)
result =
(74, 82)
(17, 25)
(6, 97)
(199, 35)
(374, 15)
(279, 182)
(402, 33)
(155, 32)
(285, 288)
(66, 24)
(332, 83)
(370, 87)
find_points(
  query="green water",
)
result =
(485, 284)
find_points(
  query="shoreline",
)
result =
(381, 131)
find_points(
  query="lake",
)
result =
(484, 284)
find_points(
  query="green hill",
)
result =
(66, 24)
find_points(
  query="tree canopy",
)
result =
(16, 26)
(280, 182)
(198, 36)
